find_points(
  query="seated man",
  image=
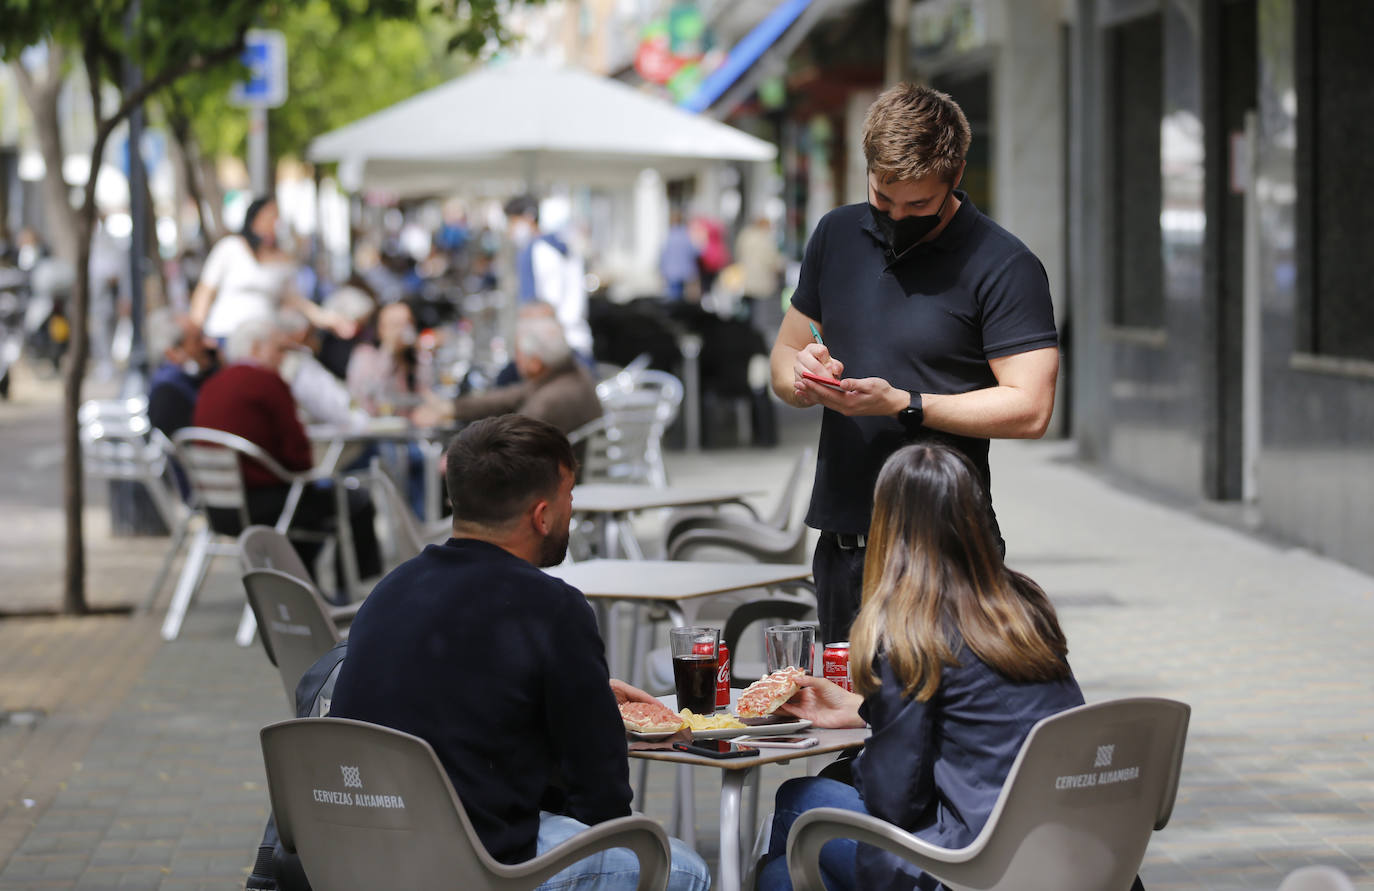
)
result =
(249, 398)
(499, 666)
(320, 395)
(187, 360)
(554, 386)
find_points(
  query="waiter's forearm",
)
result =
(1001, 412)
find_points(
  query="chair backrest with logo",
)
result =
(370, 807)
(1075, 814)
(291, 615)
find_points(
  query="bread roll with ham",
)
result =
(650, 717)
(763, 697)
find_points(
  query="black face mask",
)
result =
(902, 234)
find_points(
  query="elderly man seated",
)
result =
(554, 386)
(249, 399)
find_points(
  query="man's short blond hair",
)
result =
(912, 131)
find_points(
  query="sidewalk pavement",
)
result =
(142, 767)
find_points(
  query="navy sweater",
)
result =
(935, 768)
(501, 669)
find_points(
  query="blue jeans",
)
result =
(795, 797)
(616, 868)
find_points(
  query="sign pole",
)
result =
(259, 163)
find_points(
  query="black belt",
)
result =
(851, 541)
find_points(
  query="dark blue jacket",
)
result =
(935, 768)
(501, 669)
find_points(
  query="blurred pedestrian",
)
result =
(678, 261)
(188, 359)
(551, 271)
(356, 304)
(248, 276)
(756, 251)
(713, 254)
(937, 320)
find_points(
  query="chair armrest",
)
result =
(640, 834)
(761, 542)
(816, 827)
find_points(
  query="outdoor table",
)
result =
(679, 586)
(735, 772)
(614, 502)
(337, 437)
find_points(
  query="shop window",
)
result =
(1336, 188)
(1135, 109)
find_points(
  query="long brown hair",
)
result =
(933, 577)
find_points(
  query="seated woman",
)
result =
(954, 657)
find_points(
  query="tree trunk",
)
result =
(41, 97)
(74, 374)
(190, 171)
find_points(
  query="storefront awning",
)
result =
(744, 54)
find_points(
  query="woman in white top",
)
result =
(247, 276)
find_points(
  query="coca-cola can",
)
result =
(835, 664)
(723, 678)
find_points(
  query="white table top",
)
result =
(672, 580)
(615, 498)
(830, 741)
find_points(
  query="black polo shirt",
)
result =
(927, 321)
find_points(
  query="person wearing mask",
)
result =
(188, 358)
(553, 385)
(954, 659)
(388, 377)
(535, 747)
(248, 276)
(249, 398)
(550, 271)
(936, 321)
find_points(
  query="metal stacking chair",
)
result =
(408, 537)
(211, 459)
(119, 443)
(1317, 878)
(294, 621)
(1051, 830)
(369, 807)
(625, 444)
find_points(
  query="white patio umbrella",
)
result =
(526, 120)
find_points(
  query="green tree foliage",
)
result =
(338, 70)
(175, 41)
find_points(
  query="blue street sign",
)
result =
(264, 54)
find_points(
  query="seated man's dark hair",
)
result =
(498, 466)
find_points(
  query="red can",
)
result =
(835, 664)
(722, 671)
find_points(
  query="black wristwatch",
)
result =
(913, 416)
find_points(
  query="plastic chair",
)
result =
(1050, 829)
(1317, 878)
(119, 443)
(211, 459)
(685, 519)
(294, 621)
(262, 547)
(369, 807)
(408, 536)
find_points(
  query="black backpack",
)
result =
(276, 869)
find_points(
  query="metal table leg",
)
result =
(731, 788)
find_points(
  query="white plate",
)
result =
(650, 737)
(760, 730)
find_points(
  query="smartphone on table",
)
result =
(830, 382)
(715, 748)
(779, 742)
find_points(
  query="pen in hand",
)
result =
(816, 334)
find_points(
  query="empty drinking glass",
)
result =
(789, 646)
